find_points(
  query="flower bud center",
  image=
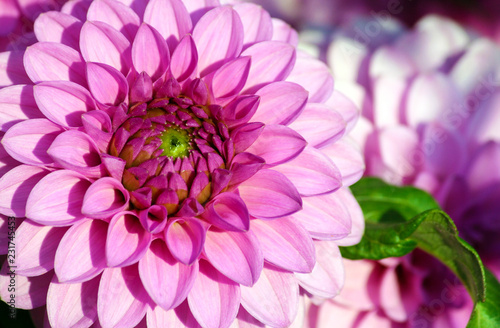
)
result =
(175, 143)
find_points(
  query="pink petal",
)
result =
(97, 125)
(219, 38)
(31, 292)
(72, 305)
(269, 194)
(214, 299)
(57, 27)
(104, 198)
(231, 77)
(284, 32)
(116, 14)
(28, 141)
(185, 238)
(170, 18)
(57, 199)
(76, 8)
(345, 107)
(126, 241)
(107, 85)
(12, 70)
(286, 244)
(244, 166)
(387, 110)
(237, 255)
(319, 125)
(101, 43)
(271, 61)
(277, 144)
(245, 320)
(347, 158)
(257, 24)
(63, 102)
(280, 103)
(181, 317)
(158, 264)
(49, 61)
(15, 187)
(245, 135)
(358, 220)
(184, 59)
(390, 296)
(36, 247)
(227, 211)
(80, 255)
(358, 290)
(17, 103)
(326, 217)
(121, 284)
(274, 299)
(150, 52)
(484, 160)
(327, 278)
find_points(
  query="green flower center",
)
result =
(175, 143)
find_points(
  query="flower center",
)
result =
(175, 143)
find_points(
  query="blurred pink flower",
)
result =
(186, 168)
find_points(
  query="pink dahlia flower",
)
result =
(177, 164)
(429, 99)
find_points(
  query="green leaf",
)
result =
(487, 314)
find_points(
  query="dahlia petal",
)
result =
(185, 238)
(237, 255)
(231, 77)
(175, 27)
(101, 43)
(12, 70)
(154, 218)
(214, 299)
(180, 317)
(56, 200)
(345, 107)
(31, 292)
(63, 102)
(184, 59)
(245, 320)
(280, 103)
(274, 299)
(10, 17)
(312, 173)
(257, 24)
(319, 125)
(78, 8)
(198, 8)
(277, 144)
(359, 273)
(398, 149)
(286, 244)
(245, 135)
(358, 220)
(80, 255)
(121, 284)
(327, 277)
(116, 14)
(104, 198)
(150, 52)
(326, 217)
(387, 110)
(36, 247)
(57, 27)
(227, 211)
(218, 37)
(269, 194)
(284, 32)
(72, 305)
(394, 306)
(482, 126)
(15, 187)
(50, 61)
(97, 125)
(107, 85)
(271, 61)
(484, 160)
(126, 241)
(114, 165)
(28, 141)
(244, 166)
(390, 61)
(17, 103)
(157, 264)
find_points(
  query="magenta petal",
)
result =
(156, 266)
(269, 194)
(271, 61)
(231, 77)
(277, 144)
(15, 186)
(150, 52)
(181, 317)
(280, 103)
(244, 166)
(57, 199)
(72, 305)
(107, 84)
(12, 69)
(245, 135)
(28, 141)
(227, 211)
(57, 27)
(101, 43)
(31, 292)
(286, 244)
(219, 37)
(184, 59)
(357, 217)
(36, 247)
(104, 198)
(97, 125)
(119, 15)
(237, 255)
(185, 238)
(154, 218)
(256, 22)
(49, 61)
(17, 103)
(284, 32)
(274, 299)
(121, 284)
(126, 241)
(214, 299)
(80, 255)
